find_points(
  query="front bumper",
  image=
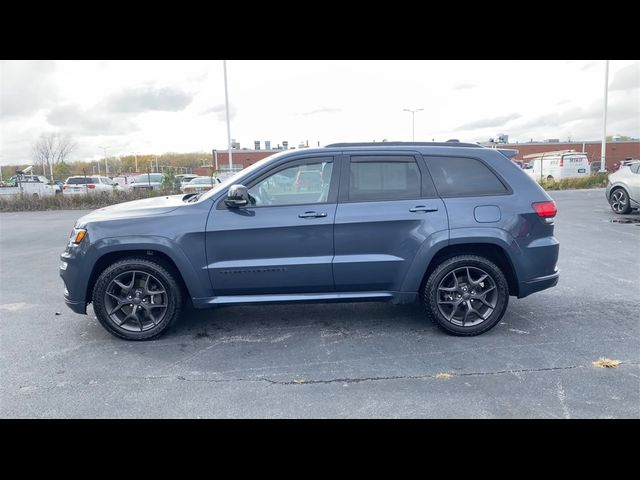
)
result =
(75, 274)
(76, 306)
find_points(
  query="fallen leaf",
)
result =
(443, 375)
(298, 381)
(603, 362)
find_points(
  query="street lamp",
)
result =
(413, 121)
(603, 159)
(106, 165)
(226, 105)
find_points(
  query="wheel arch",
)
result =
(494, 248)
(161, 250)
(490, 251)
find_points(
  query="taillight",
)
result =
(545, 209)
(91, 185)
(561, 161)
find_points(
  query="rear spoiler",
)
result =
(507, 152)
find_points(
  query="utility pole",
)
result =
(603, 160)
(136, 157)
(226, 103)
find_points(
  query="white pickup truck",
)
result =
(35, 186)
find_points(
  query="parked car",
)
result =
(199, 184)
(152, 181)
(50, 187)
(185, 177)
(308, 180)
(91, 185)
(623, 188)
(123, 181)
(12, 189)
(454, 225)
(557, 165)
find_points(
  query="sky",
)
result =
(179, 106)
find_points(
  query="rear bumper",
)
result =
(538, 284)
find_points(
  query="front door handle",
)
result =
(312, 215)
(424, 209)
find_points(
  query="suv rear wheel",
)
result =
(136, 299)
(466, 295)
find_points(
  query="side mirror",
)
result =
(237, 196)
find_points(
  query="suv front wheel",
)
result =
(619, 201)
(136, 298)
(466, 295)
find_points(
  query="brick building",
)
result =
(240, 158)
(616, 151)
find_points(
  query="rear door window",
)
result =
(383, 178)
(464, 177)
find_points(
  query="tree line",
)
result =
(51, 154)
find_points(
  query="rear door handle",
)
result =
(424, 209)
(312, 215)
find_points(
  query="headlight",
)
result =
(77, 235)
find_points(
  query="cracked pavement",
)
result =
(330, 360)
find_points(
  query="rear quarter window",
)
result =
(463, 177)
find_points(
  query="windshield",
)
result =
(206, 180)
(241, 174)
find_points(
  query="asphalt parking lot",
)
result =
(331, 360)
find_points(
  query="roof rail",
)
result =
(450, 143)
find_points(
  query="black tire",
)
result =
(163, 280)
(448, 271)
(550, 178)
(619, 201)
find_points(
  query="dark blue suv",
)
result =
(456, 226)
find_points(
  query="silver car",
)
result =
(623, 189)
(149, 181)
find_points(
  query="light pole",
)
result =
(603, 160)
(226, 103)
(413, 121)
(106, 165)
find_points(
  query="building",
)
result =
(240, 158)
(615, 154)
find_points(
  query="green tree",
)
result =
(61, 170)
(168, 180)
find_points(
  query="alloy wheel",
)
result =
(618, 201)
(136, 301)
(467, 296)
